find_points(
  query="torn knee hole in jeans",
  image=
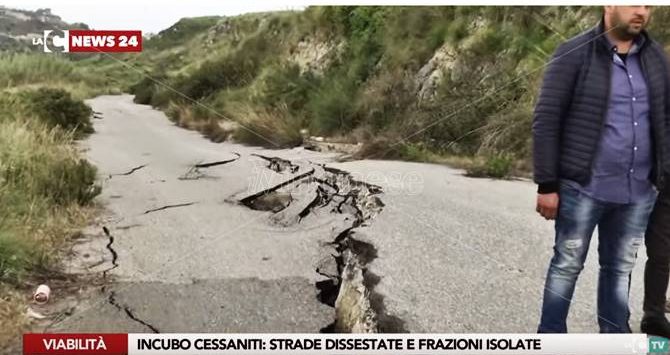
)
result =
(636, 242)
(572, 243)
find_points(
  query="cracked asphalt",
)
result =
(190, 257)
(465, 255)
(452, 254)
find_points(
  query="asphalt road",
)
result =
(459, 254)
(182, 254)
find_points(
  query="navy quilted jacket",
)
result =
(572, 106)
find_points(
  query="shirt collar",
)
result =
(638, 41)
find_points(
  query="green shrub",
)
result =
(509, 130)
(273, 128)
(228, 72)
(213, 130)
(71, 181)
(412, 34)
(285, 85)
(37, 163)
(497, 166)
(57, 108)
(231, 70)
(332, 107)
(413, 152)
(15, 254)
(387, 101)
(457, 29)
(151, 90)
(143, 90)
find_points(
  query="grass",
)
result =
(46, 188)
(12, 315)
(41, 178)
(497, 166)
(21, 69)
(184, 116)
(82, 77)
(269, 127)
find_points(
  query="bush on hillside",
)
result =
(228, 72)
(71, 181)
(332, 107)
(269, 127)
(498, 166)
(285, 85)
(143, 90)
(37, 163)
(232, 70)
(57, 108)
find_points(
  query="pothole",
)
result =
(274, 201)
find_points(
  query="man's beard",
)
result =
(626, 31)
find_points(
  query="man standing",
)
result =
(597, 131)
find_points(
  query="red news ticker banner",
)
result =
(75, 344)
(105, 41)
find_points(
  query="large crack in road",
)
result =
(129, 312)
(349, 287)
(113, 252)
(288, 255)
(111, 298)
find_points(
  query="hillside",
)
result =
(412, 83)
(19, 27)
(444, 81)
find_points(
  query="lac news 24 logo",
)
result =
(66, 41)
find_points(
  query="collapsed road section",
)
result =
(347, 285)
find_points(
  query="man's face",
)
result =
(628, 21)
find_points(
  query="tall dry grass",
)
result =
(265, 126)
(82, 78)
(45, 187)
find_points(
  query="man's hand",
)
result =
(547, 205)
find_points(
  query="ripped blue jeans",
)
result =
(621, 230)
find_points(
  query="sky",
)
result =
(148, 16)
